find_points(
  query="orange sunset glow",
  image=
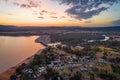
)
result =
(52, 13)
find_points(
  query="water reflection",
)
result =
(13, 50)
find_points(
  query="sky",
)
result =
(85, 13)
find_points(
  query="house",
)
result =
(102, 60)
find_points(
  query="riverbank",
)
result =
(101, 40)
(5, 75)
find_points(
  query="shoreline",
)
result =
(6, 74)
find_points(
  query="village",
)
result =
(63, 62)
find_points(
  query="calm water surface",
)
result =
(13, 50)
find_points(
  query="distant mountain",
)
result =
(71, 28)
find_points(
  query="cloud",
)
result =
(41, 13)
(41, 17)
(90, 21)
(16, 3)
(3, 0)
(54, 17)
(34, 3)
(47, 12)
(44, 11)
(52, 13)
(63, 17)
(85, 9)
(10, 14)
(80, 13)
(116, 22)
(25, 3)
(30, 4)
(25, 6)
(72, 20)
(35, 13)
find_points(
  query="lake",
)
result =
(14, 50)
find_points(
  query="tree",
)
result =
(92, 76)
(105, 52)
(77, 76)
(50, 73)
(13, 77)
(35, 68)
(18, 71)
